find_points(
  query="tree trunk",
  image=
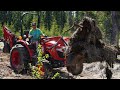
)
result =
(70, 18)
(38, 25)
(77, 16)
(114, 39)
(108, 31)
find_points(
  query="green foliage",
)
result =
(27, 20)
(48, 20)
(77, 17)
(1, 33)
(66, 28)
(16, 20)
(54, 31)
(56, 75)
(70, 18)
(91, 14)
(9, 19)
(53, 23)
(3, 16)
(36, 70)
(60, 17)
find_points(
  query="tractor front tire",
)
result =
(18, 58)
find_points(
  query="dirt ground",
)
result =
(95, 70)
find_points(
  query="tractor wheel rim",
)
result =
(15, 58)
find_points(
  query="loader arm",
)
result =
(9, 37)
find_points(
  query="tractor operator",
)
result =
(35, 35)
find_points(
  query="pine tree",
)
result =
(48, 19)
(70, 18)
(115, 28)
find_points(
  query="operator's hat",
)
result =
(34, 24)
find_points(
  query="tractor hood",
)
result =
(50, 43)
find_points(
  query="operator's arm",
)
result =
(41, 33)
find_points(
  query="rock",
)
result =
(1, 59)
(117, 67)
(1, 46)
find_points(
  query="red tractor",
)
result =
(23, 52)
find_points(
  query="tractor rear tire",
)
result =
(19, 58)
(6, 48)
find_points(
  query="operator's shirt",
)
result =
(36, 34)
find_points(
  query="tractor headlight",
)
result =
(20, 37)
(24, 36)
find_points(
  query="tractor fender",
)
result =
(24, 43)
